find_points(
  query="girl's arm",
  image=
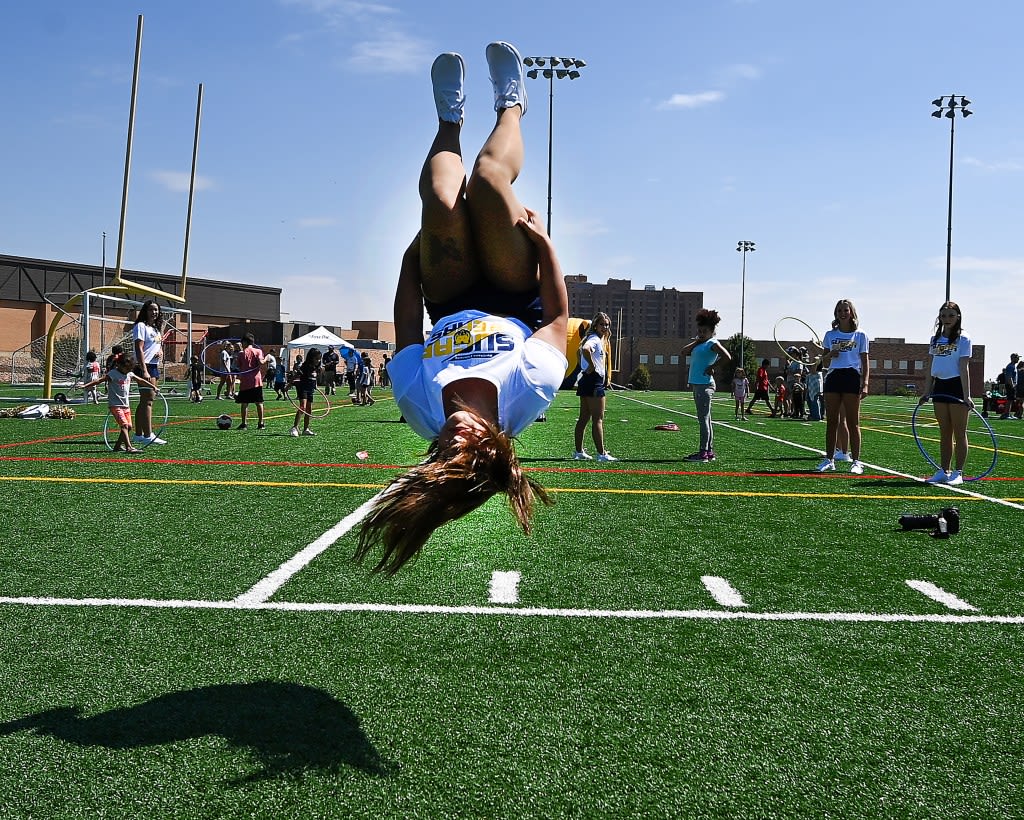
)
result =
(928, 382)
(965, 380)
(409, 300)
(865, 369)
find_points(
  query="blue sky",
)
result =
(801, 125)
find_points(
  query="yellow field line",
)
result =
(592, 490)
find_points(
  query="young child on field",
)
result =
(281, 381)
(91, 375)
(740, 389)
(305, 376)
(195, 374)
(118, 379)
(780, 397)
(365, 382)
(797, 392)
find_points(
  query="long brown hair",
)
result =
(447, 486)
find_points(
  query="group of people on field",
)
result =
(484, 270)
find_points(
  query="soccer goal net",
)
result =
(96, 322)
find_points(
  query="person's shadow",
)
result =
(289, 728)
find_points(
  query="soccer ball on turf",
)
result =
(224, 422)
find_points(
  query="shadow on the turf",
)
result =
(289, 728)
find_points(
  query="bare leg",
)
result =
(447, 259)
(507, 257)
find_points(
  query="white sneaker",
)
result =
(606, 457)
(839, 455)
(507, 76)
(447, 75)
(940, 477)
(955, 478)
(308, 432)
(294, 432)
(827, 466)
(152, 439)
(856, 468)
(582, 455)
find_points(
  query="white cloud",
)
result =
(740, 71)
(1001, 165)
(178, 181)
(389, 52)
(691, 100)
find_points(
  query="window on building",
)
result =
(643, 358)
(872, 363)
(887, 364)
(918, 365)
(774, 362)
(659, 359)
(904, 364)
(673, 360)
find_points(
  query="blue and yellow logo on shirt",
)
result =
(477, 339)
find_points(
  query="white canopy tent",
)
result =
(321, 338)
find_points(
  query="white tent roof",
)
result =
(320, 338)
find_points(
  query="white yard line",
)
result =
(265, 589)
(545, 612)
(504, 588)
(936, 593)
(722, 591)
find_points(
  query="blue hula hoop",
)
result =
(984, 421)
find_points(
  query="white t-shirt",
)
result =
(846, 348)
(946, 357)
(595, 344)
(150, 338)
(527, 372)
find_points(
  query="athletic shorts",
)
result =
(254, 395)
(482, 296)
(304, 392)
(122, 415)
(843, 380)
(948, 391)
(153, 371)
(591, 385)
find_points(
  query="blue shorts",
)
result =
(591, 385)
(153, 371)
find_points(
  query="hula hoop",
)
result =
(312, 414)
(214, 370)
(814, 337)
(984, 421)
(141, 445)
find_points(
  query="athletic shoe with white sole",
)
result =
(827, 466)
(940, 477)
(507, 76)
(856, 468)
(294, 432)
(582, 455)
(152, 439)
(308, 432)
(606, 457)
(447, 75)
(700, 456)
(955, 479)
(839, 455)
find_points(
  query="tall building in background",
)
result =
(649, 326)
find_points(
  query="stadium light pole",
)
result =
(552, 68)
(948, 106)
(743, 246)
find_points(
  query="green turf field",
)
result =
(183, 633)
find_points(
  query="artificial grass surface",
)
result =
(258, 713)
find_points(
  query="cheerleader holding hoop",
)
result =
(949, 388)
(486, 271)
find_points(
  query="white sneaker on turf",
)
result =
(507, 76)
(940, 477)
(294, 432)
(839, 455)
(152, 439)
(827, 465)
(447, 75)
(582, 455)
(308, 432)
(606, 457)
(856, 468)
(955, 478)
